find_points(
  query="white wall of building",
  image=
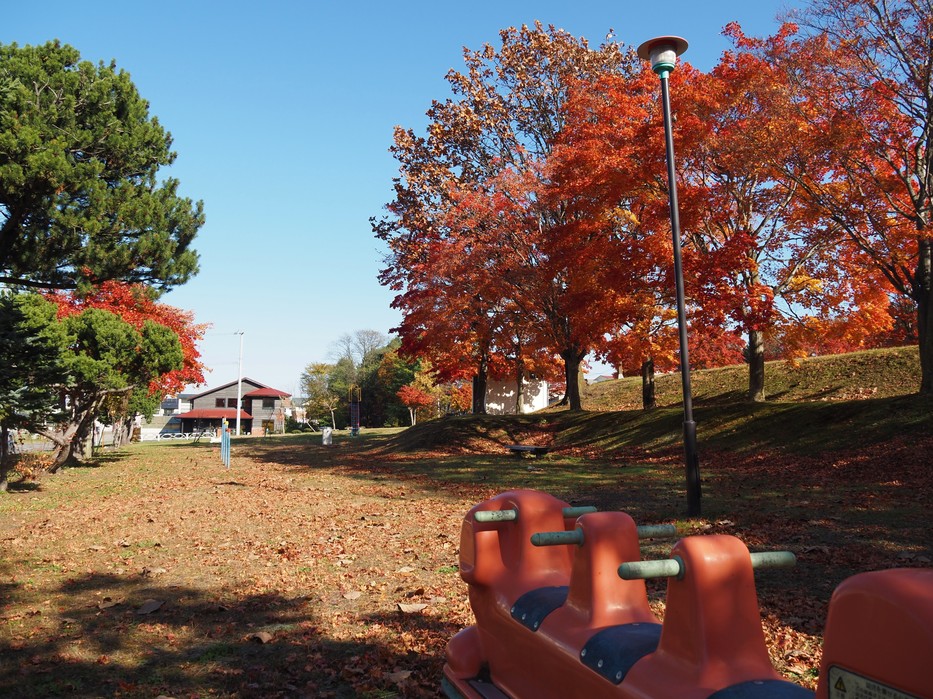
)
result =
(501, 396)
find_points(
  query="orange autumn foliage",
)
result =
(135, 305)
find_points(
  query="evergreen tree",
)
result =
(33, 364)
(80, 202)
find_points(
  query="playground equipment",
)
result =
(225, 445)
(562, 611)
(355, 399)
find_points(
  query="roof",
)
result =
(228, 385)
(604, 377)
(267, 393)
(215, 414)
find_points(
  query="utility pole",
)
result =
(239, 383)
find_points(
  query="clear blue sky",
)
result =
(282, 113)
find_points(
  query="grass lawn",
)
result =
(161, 572)
(317, 571)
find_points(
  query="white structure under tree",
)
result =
(502, 396)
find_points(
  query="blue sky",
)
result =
(282, 114)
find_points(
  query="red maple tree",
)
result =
(413, 398)
(135, 304)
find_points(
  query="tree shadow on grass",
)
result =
(862, 508)
(101, 459)
(92, 639)
(23, 486)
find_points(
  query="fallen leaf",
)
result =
(399, 675)
(150, 605)
(411, 608)
(812, 549)
(107, 603)
(353, 594)
(405, 569)
(261, 637)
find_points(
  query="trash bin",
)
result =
(327, 436)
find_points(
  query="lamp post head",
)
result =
(662, 53)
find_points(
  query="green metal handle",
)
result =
(512, 515)
(657, 531)
(496, 515)
(575, 536)
(644, 570)
(674, 567)
(574, 512)
(773, 559)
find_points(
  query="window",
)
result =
(231, 402)
(219, 402)
(268, 403)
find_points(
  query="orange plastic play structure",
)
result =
(879, 637)
(556, 618)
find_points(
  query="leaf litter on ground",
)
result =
(328, 573)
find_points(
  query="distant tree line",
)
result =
(391, 388)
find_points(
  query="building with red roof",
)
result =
(262, 409)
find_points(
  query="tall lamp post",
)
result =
(662, 53)
(239, 383)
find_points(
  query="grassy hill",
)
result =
(821, 404)
(883, 373)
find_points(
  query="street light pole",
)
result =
(662, 53)
(239, 384)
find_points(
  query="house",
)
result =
(262, 409)
(175, 405)
(269, 408)
(502, 396)
(603, 377)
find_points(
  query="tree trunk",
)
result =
(411, 414)
(77, 449)
(122, 432)
(572, 358)
(756, 366)
(61, 457)
(81, 443)
(4, 458)
(62, 448)
(71, 441)
(648, 398)
(479, 388)
(924, 299)
(519, 387)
